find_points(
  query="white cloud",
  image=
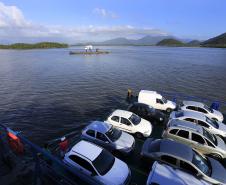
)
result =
(105, 13)
(14, 27)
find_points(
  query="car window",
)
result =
(203, 124)
(190, 119)
(202, 110)
(90, 133)
(209, 143)
(188, 167)
(173, 131)
(115, 118)
(183, 133)
(125, 121)
(197, 138)
(212, 122)
(81, 162)
(101, 137)
(191, 108)
(169, 159)
(135, 119)
(159, 101)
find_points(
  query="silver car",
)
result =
(215, 127)
(108, 137)
(182, 157)
(197, 137)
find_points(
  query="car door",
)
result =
(160, 104)
(115, 121)
(126, 125)
(82, 165)
(103, 140)
(198, 142)
(183, 136)
(192, 108)
(202, 110)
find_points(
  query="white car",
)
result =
(130, 122)
(98, 163)
(202, 108)
(156, 100)
(215, 127)
(165, 174)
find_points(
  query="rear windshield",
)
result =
(212, 122)
(104, 162)
(135, 119)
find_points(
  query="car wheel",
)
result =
(217, 156)
(139, 135)
(168, 110)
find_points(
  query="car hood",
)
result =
(124, 141)
(118, 173)
(218, 114)
(218, 171)
(220, 143)
(172, 105)
(144, 126)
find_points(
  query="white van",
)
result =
(156, 100)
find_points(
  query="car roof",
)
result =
(87, 150)
(195, 115)
(176, 149)
(99, 126)
(147, 92)
(193, 103)
(186, 124)
(122, 113)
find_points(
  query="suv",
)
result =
(98, 164)
(181, 156)
(130, 122)
(202, 108)
(147, 112)
(212, 126)
(108, 137)
(197, 137)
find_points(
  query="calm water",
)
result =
(47, 93)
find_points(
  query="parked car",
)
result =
(212, 126)
(98, 163)
(130, 122)
(162, 174)
(197, 137)
(202, 108)
(156, 100)
(147, 112)
(109, 137)
(181, 156)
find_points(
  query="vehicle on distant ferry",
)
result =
(196, 137)
(109, 137)
(183, 157)
(165, 174)
(98, 164)
(156, 100)
(147, 112)
(130, 122)
(215, 127)
(202, 108)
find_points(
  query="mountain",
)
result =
(117, 41)
(219, 41)
(170, 42)
(150, 40)
(193, 43)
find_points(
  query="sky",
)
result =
(74, 21)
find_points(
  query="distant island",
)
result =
(216, 42)
(170, 42)
(40, 45)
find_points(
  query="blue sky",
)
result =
(80, 20)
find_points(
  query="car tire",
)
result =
(139, 135)
(168, 110)
(217, 156)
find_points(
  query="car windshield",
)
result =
(210, 136)
(201, 163)
(164, 100)
(212, 122)
(135, 119)
(179, 114)
(208, 108)
(114, 134)
(104, 162)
